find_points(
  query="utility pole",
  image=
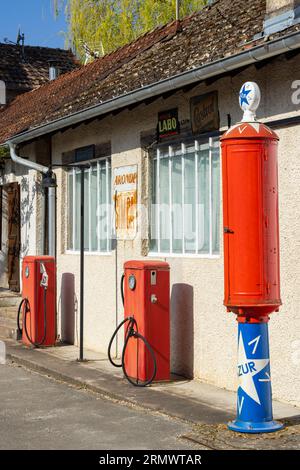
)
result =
(177, 9)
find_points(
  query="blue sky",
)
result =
(35, 18)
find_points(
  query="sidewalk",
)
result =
(205, 407)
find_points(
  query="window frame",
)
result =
(109, 238)
(198, 141)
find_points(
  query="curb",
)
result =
(108, 386)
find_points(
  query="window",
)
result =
(186, 199)
(97, 200)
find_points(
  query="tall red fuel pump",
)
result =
(37, 307)
(251, 256)
(146, 295)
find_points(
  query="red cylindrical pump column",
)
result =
(251, 237)
(251, 255)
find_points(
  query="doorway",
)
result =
(13, 236)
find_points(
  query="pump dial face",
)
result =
(131, 282)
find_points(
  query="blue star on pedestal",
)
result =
(244, 96)
(247, 369)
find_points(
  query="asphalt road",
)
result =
(39, 413)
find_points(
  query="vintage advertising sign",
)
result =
(168, 123)
(205, 113)
(125, 199)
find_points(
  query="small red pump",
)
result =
(37, 307)
(146, 296)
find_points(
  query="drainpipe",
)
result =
(48, 182)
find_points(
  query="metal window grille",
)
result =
(97, 181)
(186, 199)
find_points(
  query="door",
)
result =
(243, 219)
(13, 252)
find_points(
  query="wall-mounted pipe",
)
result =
(24, 162)
(48, 182)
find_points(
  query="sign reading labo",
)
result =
(125, 196)
(168, 123)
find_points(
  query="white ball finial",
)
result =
(249, 100)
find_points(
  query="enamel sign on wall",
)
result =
(168, 124)
(125, 199)
(205, 113)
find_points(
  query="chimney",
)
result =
(2, 93)
(280, 15)
(53, 71)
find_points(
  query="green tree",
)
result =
(102, 26)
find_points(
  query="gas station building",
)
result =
(146, 121)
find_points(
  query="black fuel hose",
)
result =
(26, 303)
(27, 310)
(122, 288)
(132, 332)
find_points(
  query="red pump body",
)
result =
(251, 230)
(34, 292)
(149, 303)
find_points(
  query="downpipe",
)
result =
(49, 183)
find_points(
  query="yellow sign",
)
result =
(125, 199)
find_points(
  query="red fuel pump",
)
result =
(251, 256)
(37, 307)
(146, 295)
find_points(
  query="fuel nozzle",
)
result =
(45, 277)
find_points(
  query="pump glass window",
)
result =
(97, 192)
(185, 212)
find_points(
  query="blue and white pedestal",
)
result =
(254, 397)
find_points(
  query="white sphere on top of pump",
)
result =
(249, 99)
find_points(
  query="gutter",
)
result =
(256, 54)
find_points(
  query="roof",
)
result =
(27, 69)
(223, 29)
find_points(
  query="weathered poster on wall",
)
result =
(125, 200)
